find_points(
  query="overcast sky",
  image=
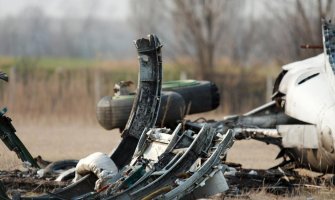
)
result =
(109, 9)
(106, 9)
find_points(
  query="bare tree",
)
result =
(199, 29)
(300, 23)
(192, 29)
(148, 16)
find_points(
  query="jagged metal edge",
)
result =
(328, 32)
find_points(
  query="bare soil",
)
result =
(55, 141)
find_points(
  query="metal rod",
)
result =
(309, 46)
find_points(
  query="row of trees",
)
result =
(246, 32)
(34, 33)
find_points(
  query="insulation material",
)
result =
(100, 164)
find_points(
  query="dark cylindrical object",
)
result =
(199, 96)
(113, 112)
(178, 99)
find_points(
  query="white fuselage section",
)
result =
(309, 96)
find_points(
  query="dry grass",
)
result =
(70, 88)
(299, 194)
(303, 194)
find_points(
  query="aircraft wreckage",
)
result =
(162, 156)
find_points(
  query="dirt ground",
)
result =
(55, 141)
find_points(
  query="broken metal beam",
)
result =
(8, 136)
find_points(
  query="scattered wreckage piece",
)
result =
(210, 169)
(3, 191)
(241, 182)
(113, 112)
(168, 163)
(4, 76)
(8, 136)
(179, 98)
(275, 181)
(199, 96)
(57, 168)
(28, 182)
(146, 105)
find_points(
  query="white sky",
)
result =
(109, 9)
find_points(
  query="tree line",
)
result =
(245, 32)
